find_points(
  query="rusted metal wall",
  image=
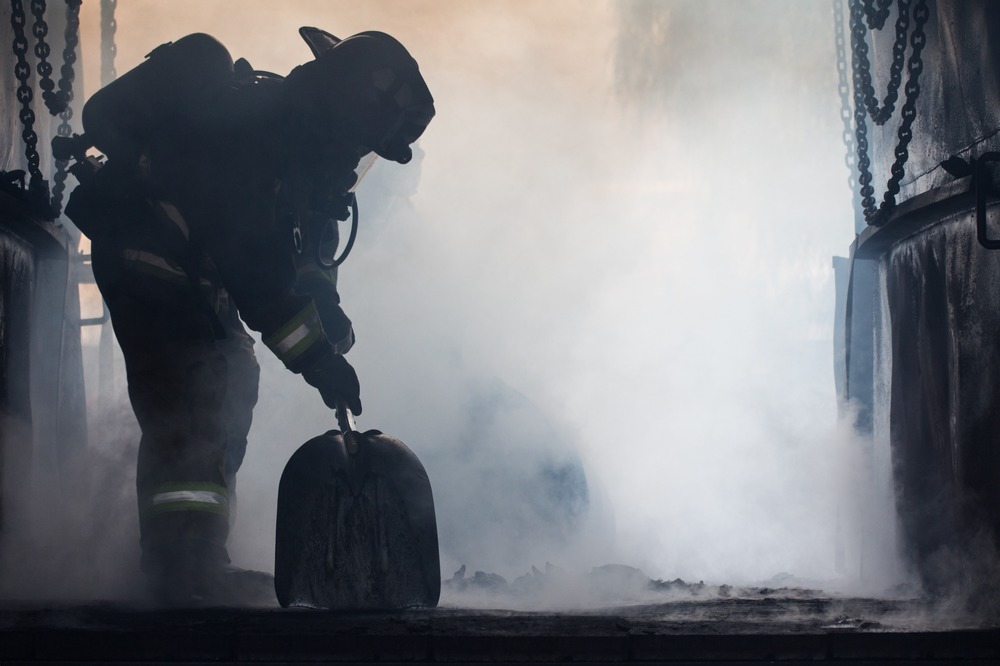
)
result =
(16, 269)
(939, 348)
(944, 410)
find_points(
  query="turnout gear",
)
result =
(219, 185)
(192, 379)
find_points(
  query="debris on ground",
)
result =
(602, 586)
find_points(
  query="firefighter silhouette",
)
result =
(218, 202)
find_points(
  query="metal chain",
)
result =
(72, 40)
(863, 91)
(859, 49)
(844, 91)
(914, 67)
(108, 48)
(67, 76)
(40, 29)
(858, 33)
(38, 188)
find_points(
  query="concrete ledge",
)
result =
(710, 631)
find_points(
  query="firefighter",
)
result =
(219, 197)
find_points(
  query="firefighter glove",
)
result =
(334, 377)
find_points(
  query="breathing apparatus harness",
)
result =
(367, 88)
(321, 220)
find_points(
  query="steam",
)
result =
(603, 314)
(646, 266)
(74, 534)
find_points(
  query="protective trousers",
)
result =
(192, 382)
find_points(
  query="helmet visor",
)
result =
(364, 166)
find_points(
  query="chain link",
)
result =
(72, 40)
(57, 102)
(915, 66)
(66, 78)
(865, 105)
(844, 91)
(108, 48)
(38, 187)
(858, 33)
(40, 30)
(876, 17)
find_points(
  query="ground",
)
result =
(785, 626)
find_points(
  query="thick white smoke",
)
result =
(616, 261)
(645, 260)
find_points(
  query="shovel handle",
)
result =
(345, 419)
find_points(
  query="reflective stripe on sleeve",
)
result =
(297, 335)
(188, 497)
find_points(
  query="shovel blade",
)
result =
(356, 531)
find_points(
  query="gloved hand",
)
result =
(334, 377)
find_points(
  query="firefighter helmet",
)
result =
(366, 90)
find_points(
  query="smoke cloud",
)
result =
(600, 307)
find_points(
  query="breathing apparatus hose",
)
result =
(336, 261)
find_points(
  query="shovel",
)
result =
(355, 527)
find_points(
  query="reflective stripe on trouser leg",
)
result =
(163, 268)
(156, 266)
(299, 334)
(171, 497)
